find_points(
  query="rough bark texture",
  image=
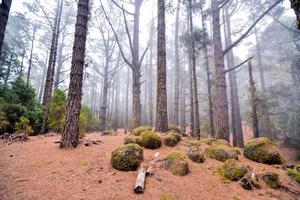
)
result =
(208, 80)
(31, 53)
(51, 67)
(221, 103)
(253, 100)
(4, 14)
(236, 121)
(194, 75)
(70, 134)
(176, 85)
(161, 98)
(295, 4)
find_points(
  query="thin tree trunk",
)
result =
(221, 103)
(182, 102)
(127, 102)
(59, 61)
(194, 75)
(104, 106)
(253, 100)
(150, 77)
(237, 131)
(176, 88)
(4, 14)
(44, 78)
(70, 134)
(161, 98)
(31, 53)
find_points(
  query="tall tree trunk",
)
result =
(31, 53)
(43, 79)
(51, 66)
(4, 14)
(70, 134)
(161, 98)
(221, 102)
(237, 131)
(253, 100)
(136, 72)
(127, 102)
(104, 106)
(176, 88)
(182, 102)
(116, 103)
(150, 77)
(208, 81)
(59, 60)
(194, 74)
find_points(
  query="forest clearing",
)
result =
(150, 99)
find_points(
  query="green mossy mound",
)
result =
(262, 150)
(233, 170)
(221, 152)
(176, 163)
(297, 168)
(127, 157)
(150, 140)
(196, 155)
(172, 139)
(139, 130)
(294, 174)
(237, 150)
(173, 127)
(214, 141)
(133, 139)
(192, 143)
(272, 179)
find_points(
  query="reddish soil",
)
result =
(39, 170)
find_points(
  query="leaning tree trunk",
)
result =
(208, 81)
(4, 14)
(161, 124)
(176, 86)
(70, 135)
(51, 67)
(236, 121)
(31, 53)
(253, 101)
(221, 103)
(194, 75)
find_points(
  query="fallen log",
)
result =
(140, 181)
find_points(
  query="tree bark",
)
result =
(70, 135)
(150, 77)
(31, 53)
(221, 102)
(176, 86)
(4, 14)
(127, 102)
(253, 100)
(59, 60)
(161, 98)
(236, 121)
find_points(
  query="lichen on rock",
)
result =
(127, 157)
(272, 179)
(150, 140)
(176, 162)
(139, 130)
(221, 152)
(196, 155)
(233, 170)
(172, 139)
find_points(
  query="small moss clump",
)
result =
(233, 170)
(150, 140)
(237, 150)
(272, 179)
(297, 168)
(172, 139)
(192, 143)
(262, 150)
(177, 163)
(139, 130)
(166, 197)
(173, 127)
(221, 152)
(196, 155)
(127, 157)
(132, 139)
(294, 174)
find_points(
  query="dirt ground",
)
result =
(38, 169)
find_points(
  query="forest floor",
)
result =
(38, 170)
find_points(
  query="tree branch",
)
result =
(122, 8)
(233, 68)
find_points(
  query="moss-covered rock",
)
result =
(262, 150)
(127, 157)
(172, 139)
(214, 141)
(133, 139)
(192, 143)
(221, 152)
(233, 170)
(196, 155)
(297, 168)
(237, 150)
(173, 127)
(294, 174)
(139, 130)
(150, 140)
(272, 179)
(177, 163)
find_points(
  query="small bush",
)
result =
(57, 111)
(23, 126)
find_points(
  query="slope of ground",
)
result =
(39, 170)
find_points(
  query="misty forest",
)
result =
(150, 99)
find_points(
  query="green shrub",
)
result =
(57, 111)
(87, 120)
(150, 139)
(23, 126)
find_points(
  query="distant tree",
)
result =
(70, 135)
(4, 14)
